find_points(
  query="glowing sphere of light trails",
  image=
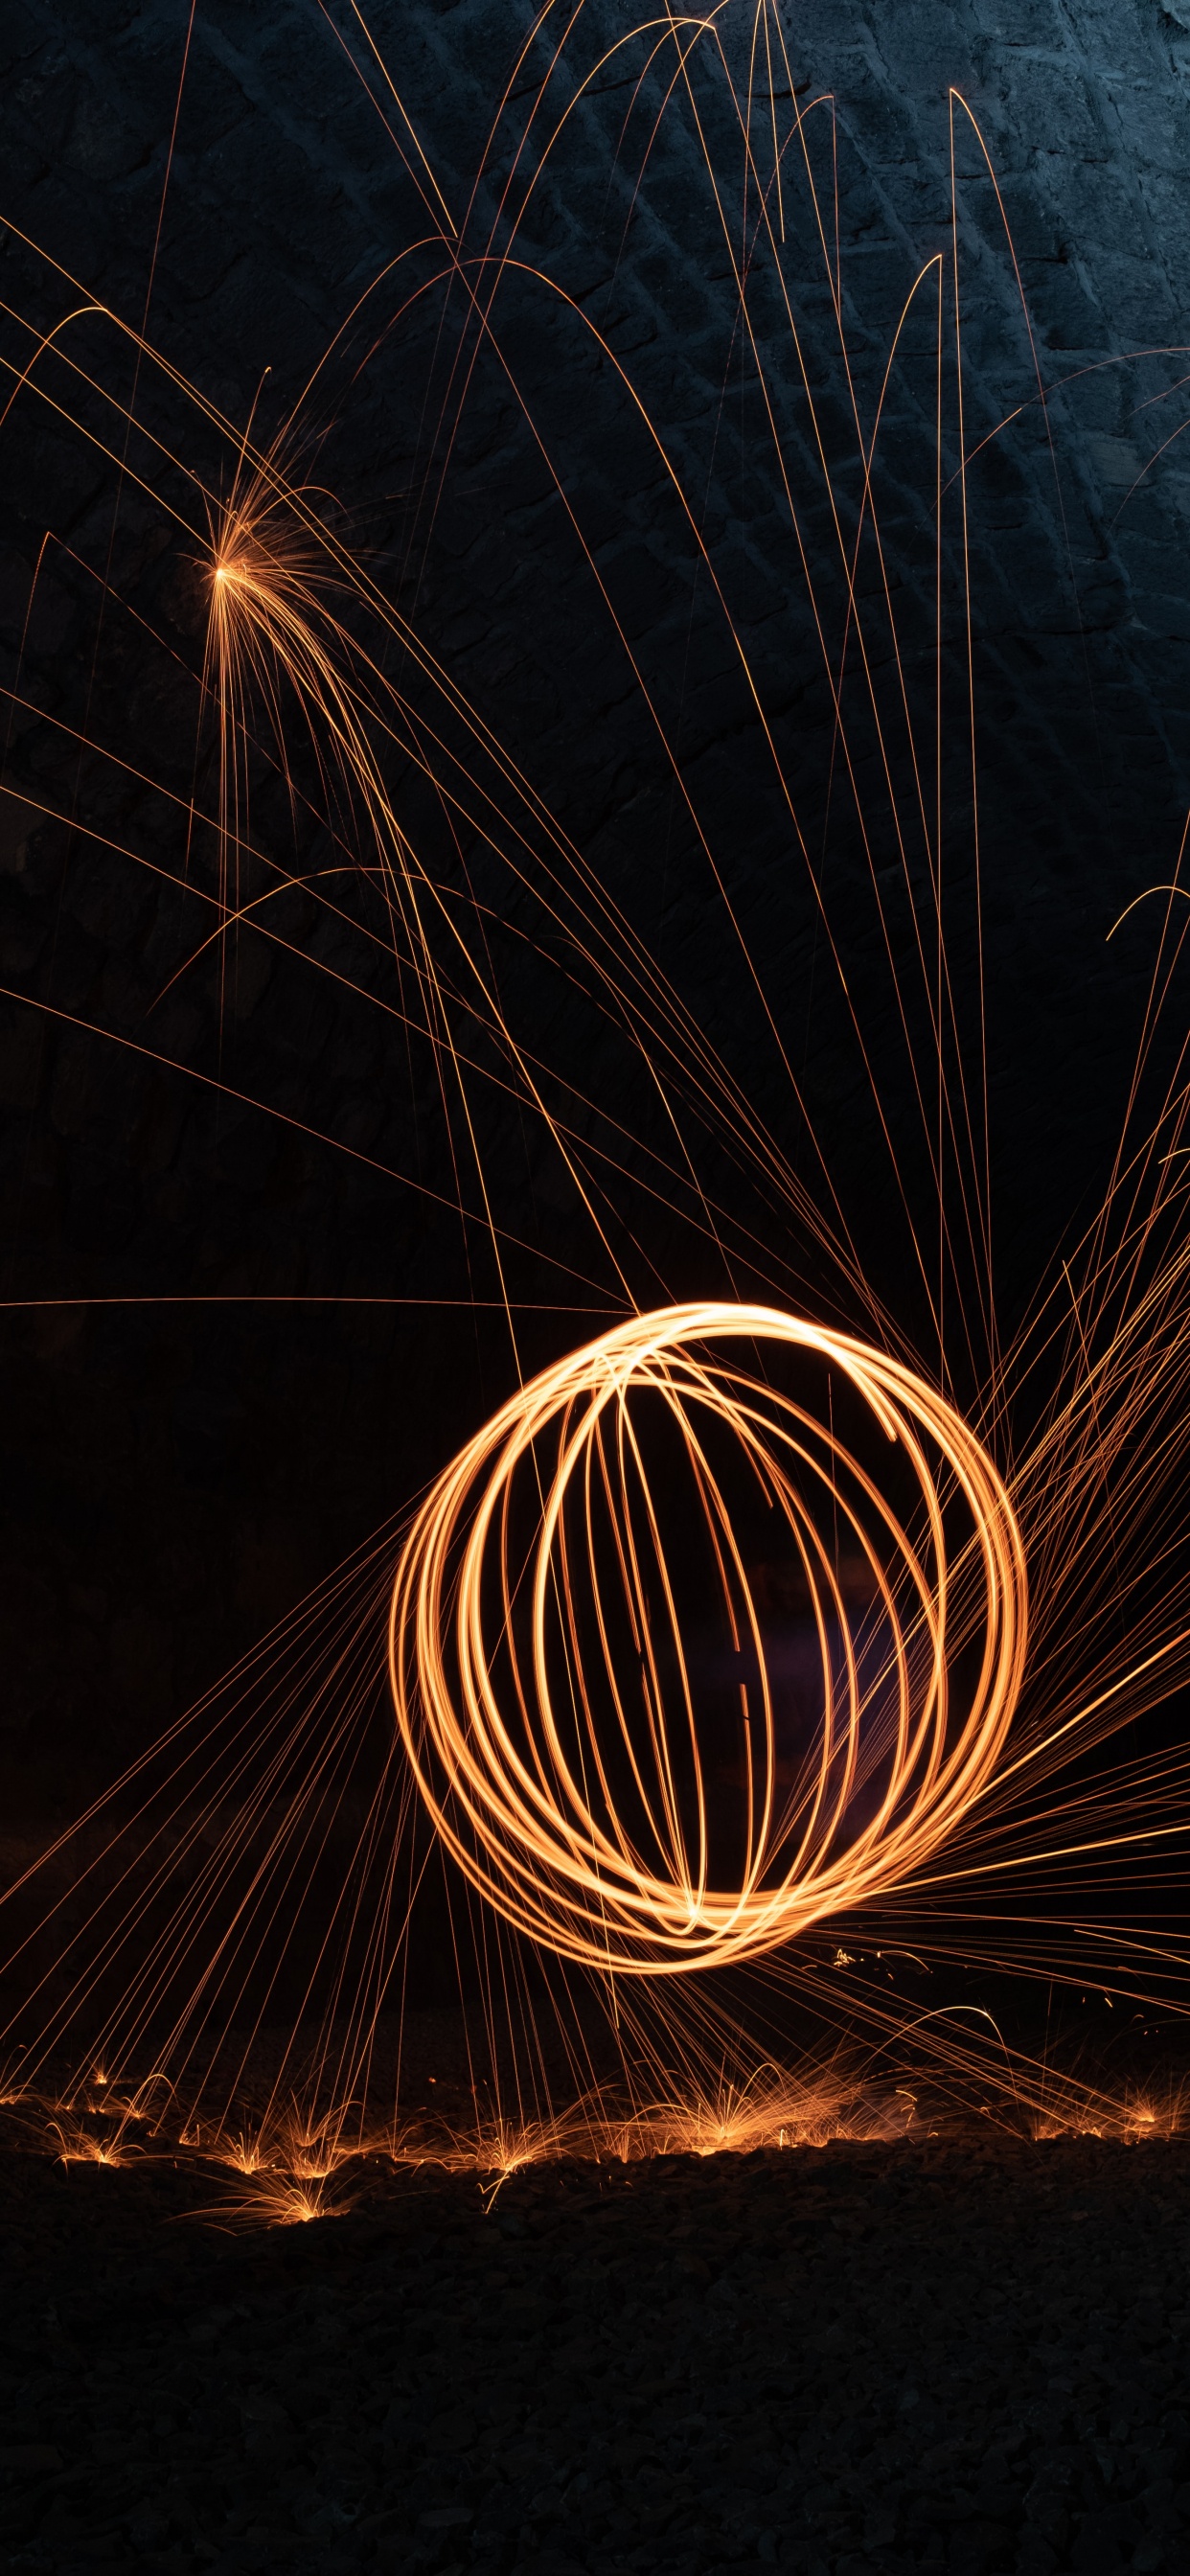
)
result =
(552, 1693)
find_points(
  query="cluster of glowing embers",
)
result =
(284, 2168)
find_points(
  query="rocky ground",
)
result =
(937, 2355)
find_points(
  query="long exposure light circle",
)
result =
(685, 1659)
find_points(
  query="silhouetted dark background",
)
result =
(173, 1477)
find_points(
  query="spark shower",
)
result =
(706, 1656)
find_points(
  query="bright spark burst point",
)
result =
(549, 1652)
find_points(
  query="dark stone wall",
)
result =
(175, 1474)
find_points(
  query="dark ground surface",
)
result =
(964, 2356)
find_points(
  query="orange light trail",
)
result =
(532, 1813)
